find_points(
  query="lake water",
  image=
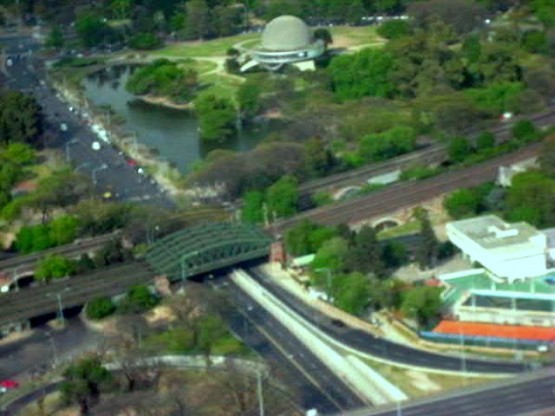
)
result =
(173, 133)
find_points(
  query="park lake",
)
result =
(172, 134)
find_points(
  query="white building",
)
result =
(512, 251)
(286, 40)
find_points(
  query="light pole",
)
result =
(328, 280)
(60, 307)
(463, 357)
(54, 350)
(101, 167)
(14, 279)
(72, 141)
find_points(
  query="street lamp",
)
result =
(101, 167)
(53, 345)
(58, 296)
(72, 141)
(328, 280)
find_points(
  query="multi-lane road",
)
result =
(531, 395)
(27, 73)
(381, 348)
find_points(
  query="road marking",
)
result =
(292, 361)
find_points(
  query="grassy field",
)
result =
(209, 48)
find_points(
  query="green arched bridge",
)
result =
(207, 247)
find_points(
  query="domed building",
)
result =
(285, 40)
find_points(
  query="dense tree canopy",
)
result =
(20, 118)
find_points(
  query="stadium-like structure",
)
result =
(285, 40)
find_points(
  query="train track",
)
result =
(407, 194)
(70, 250)
(433, 154)
(41, 300)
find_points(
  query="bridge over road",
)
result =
(181, 255)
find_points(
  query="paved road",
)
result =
(44, 347)
(26, 74)
(319, 388)
(528, 397)
(378, 347)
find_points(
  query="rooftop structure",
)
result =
(476, 296)
(511, 251)
(285, 40)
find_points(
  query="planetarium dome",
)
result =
(286, 33)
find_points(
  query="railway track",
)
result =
(407, 194)
(41, 300)
(432, 154)
(70, 250)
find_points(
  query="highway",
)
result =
(408, 193)
(377, 347)
(75, 291)
(318, 387)
(18, 265)
(434, 154)
(123, 180)
(530, 395)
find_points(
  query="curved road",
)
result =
(378, 347)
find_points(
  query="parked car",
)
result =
(6, 385)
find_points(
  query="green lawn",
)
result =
(209, 48)
(221, 85)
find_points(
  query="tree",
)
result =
(92, 30)
(459, 149)
(393, 142)
(531, 198)
(138, 299)
(121, 8)
(212, 330)
(462, 204)
(422, 303)
(485, 141)
(100, 308)
(524, 131)
(84, 381)
(318, 159)
(462, 15)
(54, 266)
(362, 74)
(365, 254)
(217, 117)
(63, 230)
(426, 253)
(331, 255)
(282, 197)
(19, 154)
(248, 98)
(198, 23)
(394, 29)
(324, 35)
(545, 12)
(20, 118)
(55, 38)
(351, 293)
(145, 41)
(307, 237)
(251, 210)
(33, 238)
(394, 254)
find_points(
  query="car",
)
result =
(8, 384)
(132, 162)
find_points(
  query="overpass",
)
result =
(179, 256)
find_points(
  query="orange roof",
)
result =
(536, 333)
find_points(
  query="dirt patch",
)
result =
(160, 315)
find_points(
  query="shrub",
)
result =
(100, 308)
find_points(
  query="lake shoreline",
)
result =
(165, 102)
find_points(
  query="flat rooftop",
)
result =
(492, 232)
(480, 282)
